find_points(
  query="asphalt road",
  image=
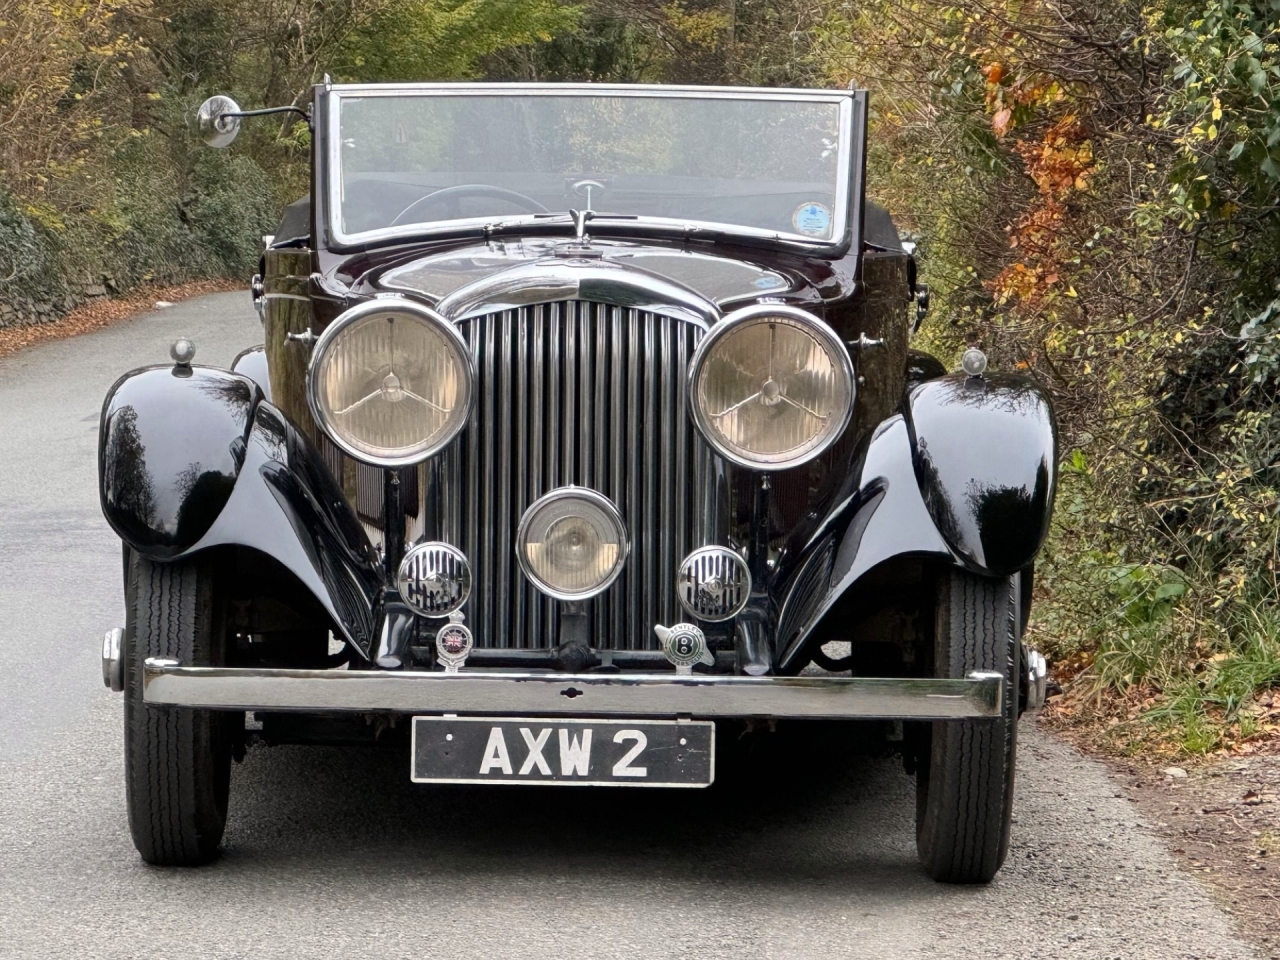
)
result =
(801, 850)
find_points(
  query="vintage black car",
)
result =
(585, 422)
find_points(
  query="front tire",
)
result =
(964, 786)
(177, 761)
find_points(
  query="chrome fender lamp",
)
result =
(713, 584)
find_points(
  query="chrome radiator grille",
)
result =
(588, 394)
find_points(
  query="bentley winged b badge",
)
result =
(684, 645)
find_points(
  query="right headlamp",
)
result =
(771, 387)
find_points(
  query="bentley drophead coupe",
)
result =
(584, 426)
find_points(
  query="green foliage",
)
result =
(1095, 189)
(1225, 113)
(228, 208)
(102, 182)
(447, 39)
(1214, 702)
(28, 260)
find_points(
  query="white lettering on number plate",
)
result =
(623, 767)
(575, 754)
(495, 753)
(535, 757)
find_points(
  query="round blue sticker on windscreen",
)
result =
(812, 219)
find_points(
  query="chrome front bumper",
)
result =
(551, 694)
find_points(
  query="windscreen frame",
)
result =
(845, 213)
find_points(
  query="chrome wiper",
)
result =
(577, 219)
(590, 214)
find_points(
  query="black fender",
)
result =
(252, 363)
(171, 445)
(965, 475)
(195, 458)
(985, 451)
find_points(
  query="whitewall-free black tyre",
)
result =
(177, 761)
(964, 786)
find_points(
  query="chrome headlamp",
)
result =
(771, 387)
(572, 543)
(390, 382)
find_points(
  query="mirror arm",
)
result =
(219, 119)
(266, 111)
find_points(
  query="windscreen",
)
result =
(767, 165)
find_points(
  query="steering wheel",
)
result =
(460, 190)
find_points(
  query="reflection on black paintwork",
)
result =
(716, 278)
(126, 484)
(1010, 517)
(201, 497)
(984, 451)
(332, 539)
(172, 445)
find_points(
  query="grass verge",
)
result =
(1180, 684)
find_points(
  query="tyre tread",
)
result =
(967, 781)
(177, 761)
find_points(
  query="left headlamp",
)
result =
(771, 387)
(390, 382)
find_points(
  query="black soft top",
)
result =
(295, 225)
(878, 229)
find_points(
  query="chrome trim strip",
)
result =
(981, 695)
(506, 535)
(809, 94)
(112, 660)
(840, 227)
(648, 526)
(617, 456)
(541, 613)
(1037, 680)
(552, 280)
(667, 456)
(632, 422)
(488, 479)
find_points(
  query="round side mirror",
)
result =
(217, 128)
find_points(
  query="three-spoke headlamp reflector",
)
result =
(390, 382)
(572, 543)
(771, 387)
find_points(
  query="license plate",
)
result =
(607, 753)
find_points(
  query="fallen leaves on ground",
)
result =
(102, 313)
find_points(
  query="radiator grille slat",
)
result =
(589, 394)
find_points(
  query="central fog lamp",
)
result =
(572, 543)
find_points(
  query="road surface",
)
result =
(799, 852)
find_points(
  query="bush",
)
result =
(30, 274)
(102, 181)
